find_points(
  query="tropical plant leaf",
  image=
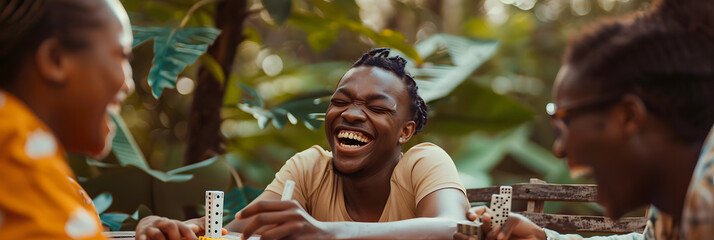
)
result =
(438, 80)
(300, 109)
(279, 10)
(102, 202)
(113, 220)
(128, 153)
(480, 109)
(174, 49)
(141, 212)
(237, 199)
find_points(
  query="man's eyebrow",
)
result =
(345, 92)
(377, 96)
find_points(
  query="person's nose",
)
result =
(354, 113)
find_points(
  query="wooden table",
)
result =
(130, 235)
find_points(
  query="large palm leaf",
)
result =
(174, 49)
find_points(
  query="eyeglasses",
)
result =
(561, 113)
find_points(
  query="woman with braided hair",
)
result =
(365, 187)
(64, 66)
(634, 103)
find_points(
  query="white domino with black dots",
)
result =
(214, 214)
(501, 204)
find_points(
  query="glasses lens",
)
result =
(550, 109)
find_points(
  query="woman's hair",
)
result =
(25, 24)
(379, 57)
(665, 56)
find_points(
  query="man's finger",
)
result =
(486, 221)
(460, 236)
(265, 206)
(195, 229)
(507, 229)
(187, 231)
(169, 229)
(282, 231)
(155, 234)
(494, 231)
(475, 212)
(269, 218)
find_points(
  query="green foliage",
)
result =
(132, 188)
(237, 199)
(174, 49)
(129, 154)
(323, 29)
(279, 9)
(300, 109)
(112, 220)
(102, 202)
(438, 80)
(480, 109)
(483, 153)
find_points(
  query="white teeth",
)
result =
(349, 146)
(353, 135)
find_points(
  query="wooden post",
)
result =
(204, 120)
(536, 206)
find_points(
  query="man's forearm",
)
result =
(557, 236)
(417, 228)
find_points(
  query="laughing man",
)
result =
(366, 187)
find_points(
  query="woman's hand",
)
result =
(516, 227)
(282, 219)
(161, 228)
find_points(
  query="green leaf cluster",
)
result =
(174, 49)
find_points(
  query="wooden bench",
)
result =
(537, 192)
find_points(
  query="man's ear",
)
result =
(51, 61)
(407, 132)
(634, 113)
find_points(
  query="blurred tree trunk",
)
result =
(204, 132)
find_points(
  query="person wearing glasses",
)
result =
(634, 104)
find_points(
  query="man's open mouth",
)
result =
(352, 139)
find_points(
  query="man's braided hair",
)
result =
(379, 57)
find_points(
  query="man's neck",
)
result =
(672, 178)
(366, 195)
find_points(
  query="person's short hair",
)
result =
(664, 56)
(24, 24)
(379, 57)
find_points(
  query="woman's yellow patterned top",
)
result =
(39, 197)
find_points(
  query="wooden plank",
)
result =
(537, 191)
(595, 224)
(537, 206)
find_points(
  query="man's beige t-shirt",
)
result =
(423, 169)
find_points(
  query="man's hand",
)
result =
(161, 228)
(282, 219)
(517, 226)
